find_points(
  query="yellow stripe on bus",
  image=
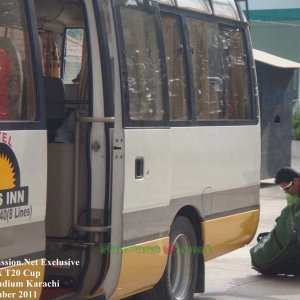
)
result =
(226, 234)
(142, 266)
(22, 281)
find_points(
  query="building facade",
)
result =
(275, 28)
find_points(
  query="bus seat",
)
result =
(15, 84)
(72, 91)
(55, 110)
(55, 97)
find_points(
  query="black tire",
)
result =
(179, 279)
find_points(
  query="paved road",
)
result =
(231, 277)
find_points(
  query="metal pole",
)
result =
(247, 11)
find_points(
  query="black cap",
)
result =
(285, 175)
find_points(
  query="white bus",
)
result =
(129, 146)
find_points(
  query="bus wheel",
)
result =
(179, 279)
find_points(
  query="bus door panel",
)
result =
(92, 157)
(147, 172)
(147, 138)
(146, 142)
(95, 130)
(145, 209)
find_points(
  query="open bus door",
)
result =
(78, 184)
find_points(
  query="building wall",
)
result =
(275, 28)
(278, 38)
(272, 4)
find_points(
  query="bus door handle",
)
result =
(139, 168)
(93, 230)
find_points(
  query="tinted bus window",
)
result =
(237, 74)
(199, 42)
(220, 71)
(17, 96)
(143, 64)
(216, 78)
(176, 67)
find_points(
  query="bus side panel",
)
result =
(220, 157)
(217, 169)
(23, 166)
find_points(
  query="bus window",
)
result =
(73, 54)
(17, 96)
(221, 75)
(143, 64)
(199, 44)
(176, 68)
(216, 74)
(110, 53)
(237, 94)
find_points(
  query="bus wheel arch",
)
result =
(162, 289)
(186, 223)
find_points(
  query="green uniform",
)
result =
(279, 251)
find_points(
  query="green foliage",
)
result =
(296, 126)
